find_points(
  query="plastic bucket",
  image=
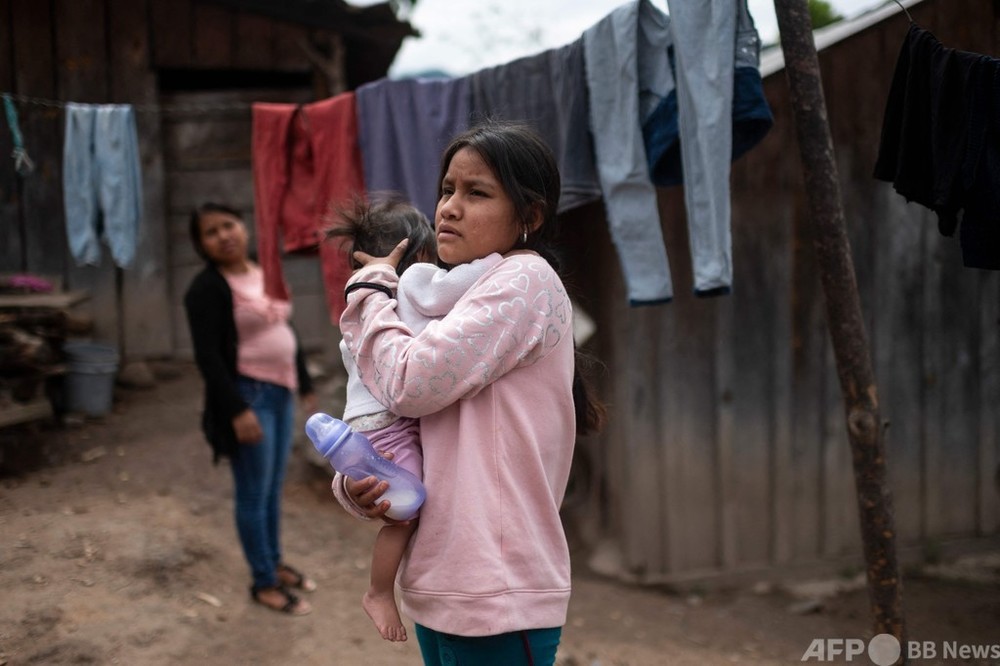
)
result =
(90, 380)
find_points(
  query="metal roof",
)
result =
(772, 60)
(374, 22)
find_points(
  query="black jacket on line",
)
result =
(209, 305)
(940, 143)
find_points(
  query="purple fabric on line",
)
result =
(403, 127)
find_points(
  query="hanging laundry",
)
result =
(751, 117)
(940, 143)
(23, 165)
(102, 182)
(547, 91)
(305, 163)
(687, 119)
(403, 127)
(625, 55)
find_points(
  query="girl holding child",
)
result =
(494, 385)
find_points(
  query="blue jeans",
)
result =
(102, 182)
(258, 477)
(705, 35)
(533, 647)
(627, 71)
(716, 47)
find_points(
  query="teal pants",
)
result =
(533, 647)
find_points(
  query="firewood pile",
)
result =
(30, 351)
(34, 324)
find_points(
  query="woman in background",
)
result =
(250, 361)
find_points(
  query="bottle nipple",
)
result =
(320, 428)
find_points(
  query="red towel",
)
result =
(305, 160)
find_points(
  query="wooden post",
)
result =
(843, 311)
(330, 63)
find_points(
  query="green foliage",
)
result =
(822, 14)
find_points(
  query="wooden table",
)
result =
(57, 300)
(38, 408)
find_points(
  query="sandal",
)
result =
(293, 605)
(292, 577)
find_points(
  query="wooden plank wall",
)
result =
(39, 216)
(145, 327)
(207, 153)
(82, 75)
(13, 237)
(65, 51)
(109, 51)
(727, 450)
(208, 158)
(189, 35)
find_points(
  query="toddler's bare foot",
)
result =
(381, 608)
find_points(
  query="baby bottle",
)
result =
(352, 455)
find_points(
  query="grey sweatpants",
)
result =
(101, 181)
(628, 76)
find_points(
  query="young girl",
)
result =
(425, 293)
(487, 576)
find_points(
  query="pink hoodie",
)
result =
(492, 385)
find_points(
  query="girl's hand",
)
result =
(247, 427)
(392, 260)
(365, 494)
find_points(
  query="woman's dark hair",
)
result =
(376, 228)
(194, 223)
(527, 170)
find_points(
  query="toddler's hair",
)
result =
(377, 227)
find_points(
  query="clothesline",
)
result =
(146, 108)
(22, 161)
(587, 100)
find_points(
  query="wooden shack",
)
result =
(191, 68)
(728, 452)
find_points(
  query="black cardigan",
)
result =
(209, 305)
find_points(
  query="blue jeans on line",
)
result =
(102, 182)
(532, 647)
(259, 475)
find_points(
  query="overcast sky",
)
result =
(462, 37)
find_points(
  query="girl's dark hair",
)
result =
(194, 223)
(528, 173)
(527, 170)
(376, 228)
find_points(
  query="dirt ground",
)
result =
(118, 547)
